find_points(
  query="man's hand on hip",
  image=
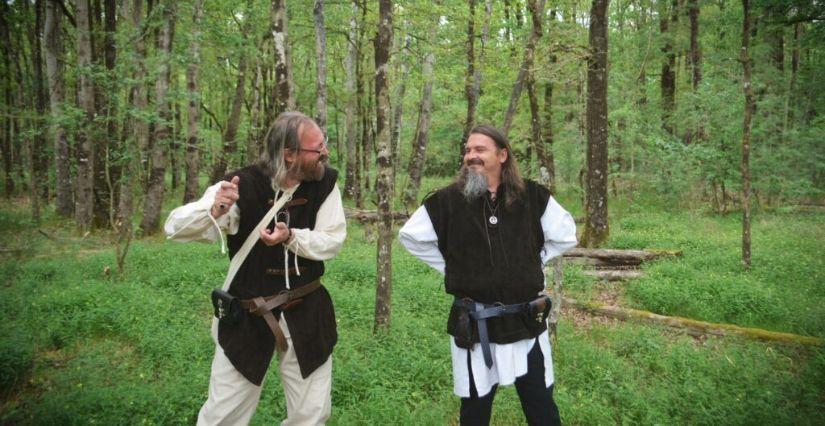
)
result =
(225, 197)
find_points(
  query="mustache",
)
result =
(475, 161)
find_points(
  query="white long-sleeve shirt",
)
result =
(509, 360)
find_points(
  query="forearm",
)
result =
(324, 241)
(192, 222)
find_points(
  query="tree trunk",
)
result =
(352, 187)
(54, 70)
(253, 141)
(383, 292)
(696, 63)
(321, 66)
(745, 58)
(192, 157)
(422, 130)
(474, 90)
(85, 140)
(283, 93)
(8, 119)
(537, 11)
(150, 223)
(791, 96)
(596, 224)
(37, 167)
(135, 135)
(472, 100)
(691, 326)
(535, 124)
(107, 172)
(229, 139)
(362, 100)
(398, 111)
(547, 159)
(695, 52)
(668, 82)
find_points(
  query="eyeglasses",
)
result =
(317, 151)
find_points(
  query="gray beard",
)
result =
(475, 185)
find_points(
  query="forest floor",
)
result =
(84, 346)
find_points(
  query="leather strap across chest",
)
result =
(285, 300)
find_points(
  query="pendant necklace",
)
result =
(492, 219)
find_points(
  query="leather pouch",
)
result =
(228, 309)
(466, 334)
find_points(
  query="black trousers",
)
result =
(536, 399)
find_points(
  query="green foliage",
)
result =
(87, 348)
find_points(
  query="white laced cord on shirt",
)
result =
(214, 222)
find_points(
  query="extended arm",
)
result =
(194, 221)
(559, 231)
(419, 238)
(325, 240)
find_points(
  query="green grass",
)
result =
(82, 347)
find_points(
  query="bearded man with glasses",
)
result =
(287, 261)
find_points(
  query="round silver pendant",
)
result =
(493, 220)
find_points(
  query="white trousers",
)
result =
(232, 398)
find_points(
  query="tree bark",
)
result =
(321, 66)
(107, 172)
(9, 119)
(254, 138)
(352, 187)
(668, 81)
(744, 57)
(135, 135)
(791, 96)
(696, 134)
(150, 223)
(85, 140)
(398, 111)
(192, 157)
(695, 51)
(474, 90)
(596, 225)
(383, 292)
(37, 168)
(535, 124)
(537, 10)
(283, 95)
(546, 154)
(472, 100)
(422, 130)
(54, 70)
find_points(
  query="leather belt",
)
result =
(285, 300)
(538, 308)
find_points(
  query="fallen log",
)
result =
(371, 216)
(618, 257)
(690, 325)
(615, 274)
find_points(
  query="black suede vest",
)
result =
(250, 344)
(488, 263)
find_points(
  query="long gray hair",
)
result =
(284, 133)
